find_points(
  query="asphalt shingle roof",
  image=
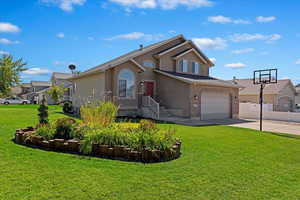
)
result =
(251, 89)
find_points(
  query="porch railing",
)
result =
(148, 101)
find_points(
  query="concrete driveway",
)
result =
(269, 125)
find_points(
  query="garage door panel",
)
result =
(215, 105)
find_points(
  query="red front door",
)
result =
(149, 89)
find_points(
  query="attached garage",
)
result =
(215, 105)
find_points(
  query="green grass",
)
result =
(218, 162)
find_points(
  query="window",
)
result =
(195, 67)
(126, 84)
(183, 65)
(148, 63)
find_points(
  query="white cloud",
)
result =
(262, 19)
(37, 71)
(298, 62)
(244, 37)
(242, 51)
(137, 36)
(60, 35)
(8, 28)
(7, 41)
(213, 60)
(164, 4)
(65, 5)
(208, 43)
(172, 31)
(235, 65)
(225, 20)
(4, 53)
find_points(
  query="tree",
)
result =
(10, 73)
(56, 93)
(43, 112)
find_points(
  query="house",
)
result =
(33, 91)
(280, 95)
(61, 79)
(297, 97)
(168, 78)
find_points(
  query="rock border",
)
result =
(117, 152)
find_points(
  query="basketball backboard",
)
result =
(267, 76)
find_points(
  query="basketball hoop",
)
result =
(262, 78)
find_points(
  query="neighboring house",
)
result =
(35, 91)
(297, 97)
(168, 78)
(280, 95)
(61, 79)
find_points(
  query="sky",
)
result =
(238, 36)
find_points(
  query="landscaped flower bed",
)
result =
(27, 137)
(98, 135)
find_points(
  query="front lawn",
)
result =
(218, 162)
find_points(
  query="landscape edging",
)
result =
(118, 152)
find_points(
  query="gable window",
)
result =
(126, 81)
(183, 65)
(148, 63)
(195, 67)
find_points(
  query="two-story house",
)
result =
(170, 77)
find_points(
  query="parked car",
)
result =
(1, 101)
(15, 100)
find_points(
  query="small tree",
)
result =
(43, 112)
(56, 93)
(10, 70)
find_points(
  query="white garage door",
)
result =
(215, 105)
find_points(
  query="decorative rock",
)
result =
(95, 149)
(45, 144)
(36, 140)
(19, 138)
(127, 152)
(147, 155)
(103, 150)
(134, 155)
(119, 151)
(110, 152)
(73, 146)
(156, 155)
(59, 144)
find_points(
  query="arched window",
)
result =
(126, 81)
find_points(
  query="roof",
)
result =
(60, 75)
(251, 89)
(41, 83)
(197, 79)
(26, 85)
(129, 56)
(125, 57)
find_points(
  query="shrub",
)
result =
(147, 125)
(47, 131)
(43, 112)
(65, 128)
(101, 114)
(68, 107)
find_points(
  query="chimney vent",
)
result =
(141, 47)
(234, 80)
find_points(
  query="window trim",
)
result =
(134, 86)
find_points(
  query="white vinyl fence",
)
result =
(252, 111)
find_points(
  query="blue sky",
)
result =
(240, 36)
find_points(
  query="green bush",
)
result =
(43, 112)
(65, 128)
(135, 138)
(100, 114)
(68, 107)
(47, 131)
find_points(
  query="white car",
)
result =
(15, 100)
